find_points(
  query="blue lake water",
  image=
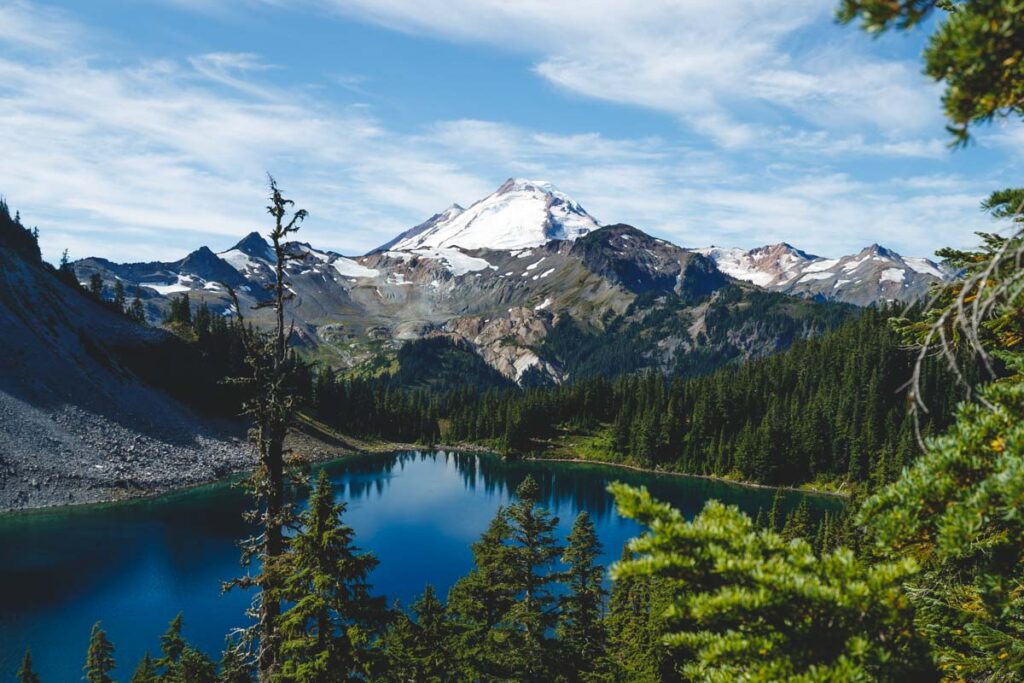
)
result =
(135, 565)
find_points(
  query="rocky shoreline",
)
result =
(133, 466)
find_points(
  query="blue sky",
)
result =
(140, 130)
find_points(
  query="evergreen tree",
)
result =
(581, 630)
(137, 311)
(634, 653)
(145, 672)
(96, 285)
(99, 660)
(479, 600)
(527, 652)
(324, 634)
(119, 297)
(172, 645)
(233, 667)
(271, 406)
(747, 605)
(798, 522)
(419, 650)
(26, 674)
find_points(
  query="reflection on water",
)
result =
(135, 565)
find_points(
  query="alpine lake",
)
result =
(134, 565)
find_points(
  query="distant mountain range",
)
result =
(511, 273)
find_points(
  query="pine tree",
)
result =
(96, 285)
(527, 652)
(99, 660)
(145, 672)
(119, 297)
(137, 311)
(172, 645)
(581, 630)
(419, 650)
(325, 631)
(26, 674)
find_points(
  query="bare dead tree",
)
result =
(270, 407)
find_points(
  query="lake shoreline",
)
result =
(335, 448)
(320, 447)
(710, 477)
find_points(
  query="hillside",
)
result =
(76, 425)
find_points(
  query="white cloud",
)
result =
(705, 61)
(152, 159)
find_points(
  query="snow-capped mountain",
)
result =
(873, 274)
(502, 274)
(764, 266)
(519, 215)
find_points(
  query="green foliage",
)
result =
(99, 660)
(26, 674)
(504, 610)
(635, 623)
(748, 605)
(17, 237)
(419, 650)
(145, 672)
(331, 616)
(977, 50)
(581, 630)
(958, 510)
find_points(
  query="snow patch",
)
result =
(892, 275)
(349, 268)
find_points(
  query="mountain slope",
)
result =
(523, 264)
(873, 274)
(76, 425)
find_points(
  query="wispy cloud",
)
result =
(150, 158)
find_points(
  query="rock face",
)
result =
(527, 247)
(874, 274)
(75, 424)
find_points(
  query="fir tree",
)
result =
(527, 651)
(96, 285)
(419, 650)
(581, 630)
(325, 631)
(233, 667)
(119, 297)
(137, 310)
(145, 672)
(99, 660)
(634, 626)
(26, 674)
(478, 601)
(172, 645)
(747, 605)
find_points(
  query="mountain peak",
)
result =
(253, 245)
(519, 214)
